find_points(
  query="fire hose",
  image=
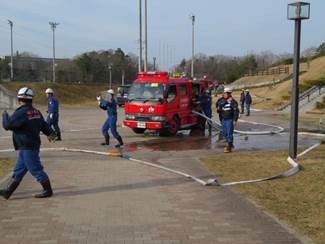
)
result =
(217, 125)
(295, 166)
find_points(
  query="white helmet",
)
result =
(25, 93)
(227, 90)
(49, 91)
(111, 91)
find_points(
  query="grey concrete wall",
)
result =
(8, 100)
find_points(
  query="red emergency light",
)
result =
(151, 74)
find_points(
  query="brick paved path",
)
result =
(110, 200)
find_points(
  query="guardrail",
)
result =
(310, 94)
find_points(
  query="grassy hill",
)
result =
(69, 95)
(274, 97)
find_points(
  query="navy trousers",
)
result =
(248, 108)
(29, 160)
(53, 122)
(110, 124)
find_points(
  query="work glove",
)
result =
(52, 137)
(51, 115)
(5, 113)
(99, 98)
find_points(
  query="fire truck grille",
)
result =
(142, 118)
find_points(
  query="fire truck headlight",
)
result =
(158, 118)
(130, 116)
(151, 110)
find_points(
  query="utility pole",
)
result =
(110, 76)
(123, 77)
(154, 63)
(12, 52)
(192, 63)
(145, 36)
(53, 27)
(140, 35)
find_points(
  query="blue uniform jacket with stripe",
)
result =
(26, 123)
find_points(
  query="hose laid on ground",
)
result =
(202, 182)
(295, 166)
(213, 123)
(295, 169)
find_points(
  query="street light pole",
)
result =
(192, 63)
(296, 11)
(295, 93)
(12, 52)
(140, 35)
(145, 36)
(53, 27)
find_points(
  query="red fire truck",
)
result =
(158, 102)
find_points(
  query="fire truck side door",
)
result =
(172, 98)
(184, 100)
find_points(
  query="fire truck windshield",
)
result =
(146, 91)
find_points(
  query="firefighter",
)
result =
(53, 112)
(26, 123)
(110, 123)
(242, 101)
(228, 111)
(205, 102)
(248, 100)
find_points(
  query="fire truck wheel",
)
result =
(173, 127)
(138, 130)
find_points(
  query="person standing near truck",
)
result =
(229, 114)
(26, 123)
(242, 101)
(205, 102)
(53, 112)
(110, 123)
(248, 101)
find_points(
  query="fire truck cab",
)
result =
(158, 102)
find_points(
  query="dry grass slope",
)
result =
(274, 97)
(70, 95)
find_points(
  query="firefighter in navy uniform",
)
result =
(110, 123)
(229, 114)
(205, 102)
(53, 112)
(26, 123)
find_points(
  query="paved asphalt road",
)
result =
(101, 199)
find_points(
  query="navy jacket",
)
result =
(242, 98)
(227, 110)
(26, 123)
(206, 102)
(52, 105)
(110, 106)
(248, 99)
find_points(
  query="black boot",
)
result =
(120, 141)
(58, 137)
(11, 187)
(106, 143)
(47, 190)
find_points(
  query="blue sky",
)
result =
(231, 27)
